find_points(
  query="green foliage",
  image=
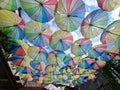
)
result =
(108, 74)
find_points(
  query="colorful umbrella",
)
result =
(8, 18)
(69, 14)
(94, 23)
(81, 46)
(74, 62)
(111, 33)
(18, 47)
(23, 61)
(108, 5)
(117, 43)
(97, 51)
(25, 73)
(37, 33)
(13, 32)
(61, 40)
(39, 10)
(39, 56)
(9, 4)
(105, 56)
(40, 66)
(56, 57)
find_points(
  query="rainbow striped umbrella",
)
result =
(94, 23)
(108, 5)
(9, 4)
(39, 10)
(69, 14)
(81, 46)
(61, 40)
(9, 18)
(37, 33)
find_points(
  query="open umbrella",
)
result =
(18, 47)
(25, 73)
(14, 32)
(94, 23)
(61, 40)
(56, 57)
(108, 5)
(9, 4)
(81, 46)
(37, 53)
(117, 43)
(97, 51)
(111, 33)
(22, 61)
(39, 56)
(69, 14)
(8, 18)
(39, 10)
(37, 33)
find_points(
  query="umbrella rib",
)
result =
(38, 2)
(62, 44)
(113, 33)
(96, 26)
(82, 50)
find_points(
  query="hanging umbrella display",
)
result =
(14, 32)
(108, 5)
(61, 40)
(37, 33)
(111, 33)
(8, 18)
(11, 5)
(69, 14)
(39, 10)
(18, 47)
(94, 24)
(81, 46)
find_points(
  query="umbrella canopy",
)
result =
(18, 47)
(37, 33)
(97, 51)
(117, 43)
(39, 56)
(108, 5)
(9, 4)
(111, 33)
(105, 56)
(39, 10)
(94, 23)
(56, 57)
(14, 32)
(61, 40)
(69, 14)
(81, 46)
(92, 63)
(22, 61)
(8, 18)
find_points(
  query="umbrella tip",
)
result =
(68, 15)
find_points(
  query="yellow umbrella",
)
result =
(8, 18)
